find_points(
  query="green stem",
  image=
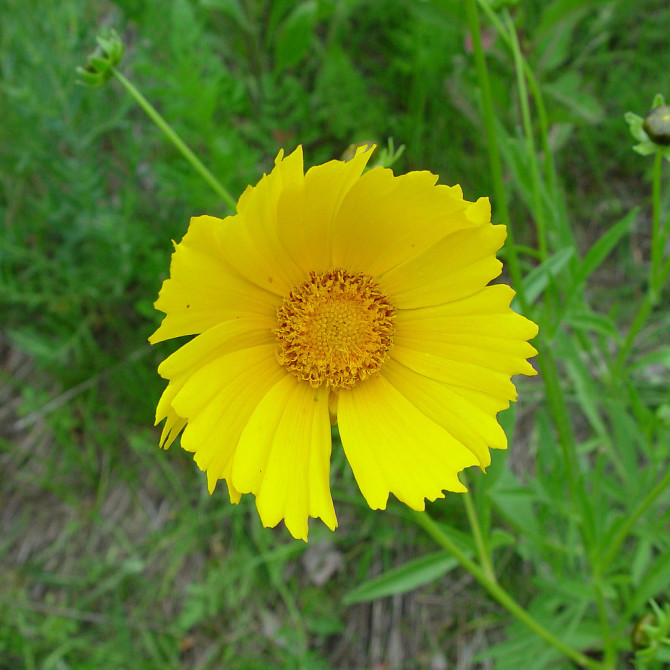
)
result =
(609, 649)
(492, 148)
(657, 241)
(177, 141)
(538, 206)
(484, 557)
(497, 592)
(550, 170)
(658, 272)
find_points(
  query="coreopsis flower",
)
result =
(340, 297)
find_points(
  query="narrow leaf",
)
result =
(406, 577)
(538, 278)
(602, 248)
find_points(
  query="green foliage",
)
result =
(113, 554)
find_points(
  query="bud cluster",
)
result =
(102, 61)
(653, 131)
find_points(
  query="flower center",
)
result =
(337, 328)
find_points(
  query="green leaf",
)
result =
(602, 249)
(655, 581)
(659, 357)
(583, 380)
(569, 91)
(596, 323)
(515, 503)
(406, 577)
(538, 278)
(295, 35)
(233, 9)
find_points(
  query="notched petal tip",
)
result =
(479, 212)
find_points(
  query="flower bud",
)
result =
(657, 125)
(102, 61)
(653, 131)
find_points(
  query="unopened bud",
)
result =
(653, 131)
(101, 62)
(657, 125)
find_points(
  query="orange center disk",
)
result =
(335, 329)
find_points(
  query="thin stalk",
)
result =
(546, 363)
(492, 148)
(658, 272)
(473, 519)
(609, 651)
(499, 594)
(657, 241)
(177, 141)
(578, 496)
(550, 171)
(538, 206)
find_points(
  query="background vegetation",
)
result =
(113, 555)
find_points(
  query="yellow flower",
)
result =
(336, 296)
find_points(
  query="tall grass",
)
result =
(114, 555)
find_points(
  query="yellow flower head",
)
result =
(336, 296)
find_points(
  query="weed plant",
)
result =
(113, 555)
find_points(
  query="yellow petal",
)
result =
(251, 240)
(219, 408)
(283, 456)
(393, 447)
(218, 340)
(493, 299)
(305, 214)
(466, 421)
(383, 219)
(459, 265)
(217, 374)
(480, 330)
(203, 289)
(456, 372)
(174, 423)
(503, 355)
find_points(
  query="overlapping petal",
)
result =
(283, 457)
(203, 290)
(393, 447)
(384, 219)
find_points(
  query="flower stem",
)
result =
(484, 557)
(492, 148)
(177, 141)
(657, 241)
(538, 206)
(545, 359)
(658, 272)
(497, 592)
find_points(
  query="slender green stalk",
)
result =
(609, 649)
(564, 232)
(546, 362)
(657, 238)
(177, 141)
(658, 273)
(473, 519)
(492, 148)
(538, 206)
(556, 399)
(499, 594)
